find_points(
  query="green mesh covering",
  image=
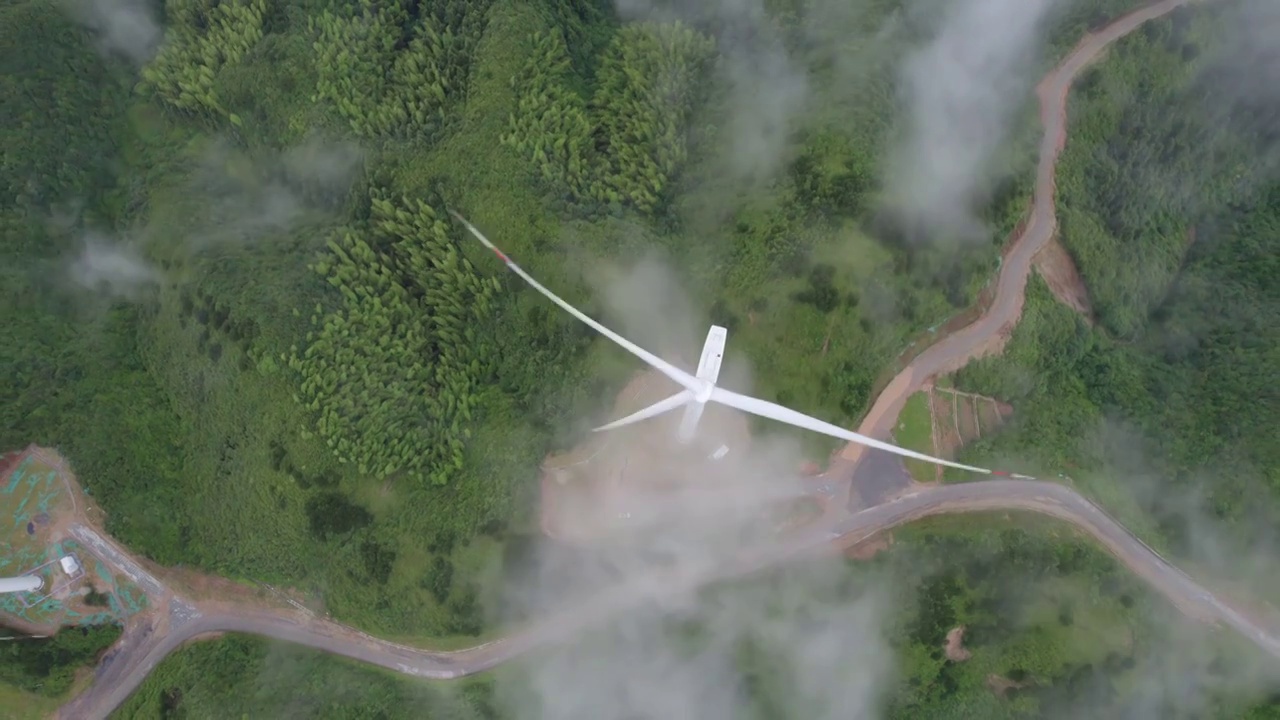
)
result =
(32, 492)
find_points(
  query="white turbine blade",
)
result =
(764, 408)
(681, 377)
(657, 408)
(689, 423)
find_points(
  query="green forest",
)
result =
(291, 366)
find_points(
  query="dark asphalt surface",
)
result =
(877, 477)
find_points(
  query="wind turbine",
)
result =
(700, 389)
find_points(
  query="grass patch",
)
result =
(915, 432)
(19, 704)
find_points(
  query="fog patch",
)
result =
(962, 91)
(329, 166)
(767, 88)
(112, 269)
(824, 659)
(651, 307)
(672, 644)
(127, 28)
(1241, 87)
(244, 199)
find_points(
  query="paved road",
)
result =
(118, 558)
(877, 476)
(145, 645)
(128, 665)
(1059, 501)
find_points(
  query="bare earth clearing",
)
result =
(599, 485)
(1001, 685)
(174, 619)
(1055, 265)
(954, 647)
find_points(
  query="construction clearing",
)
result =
(594, 487)
(1058, 269)
(37, 506)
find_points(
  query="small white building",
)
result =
(70, 565)
(25, 583)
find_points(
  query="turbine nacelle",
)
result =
(699, 390)
(704, 392)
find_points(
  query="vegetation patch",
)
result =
(47, 666)
(915, 432)
(394, 374)
(624, 146)
(202, 38)
(394, 68)
(222, 678)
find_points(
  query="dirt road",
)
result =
(989, 332)
(143, 646)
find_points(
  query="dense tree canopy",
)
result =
(64, 106)
(203, 37)
(394, 374)
(627, 144)
(392, 67)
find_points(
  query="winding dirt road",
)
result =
(142, 647)
(988, 334)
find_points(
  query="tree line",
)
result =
(626, 144)
(393, 374)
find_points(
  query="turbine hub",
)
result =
(704, 392)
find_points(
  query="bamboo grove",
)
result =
(390, 68)
(203, 37)
(394, 374)
(627, 144)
